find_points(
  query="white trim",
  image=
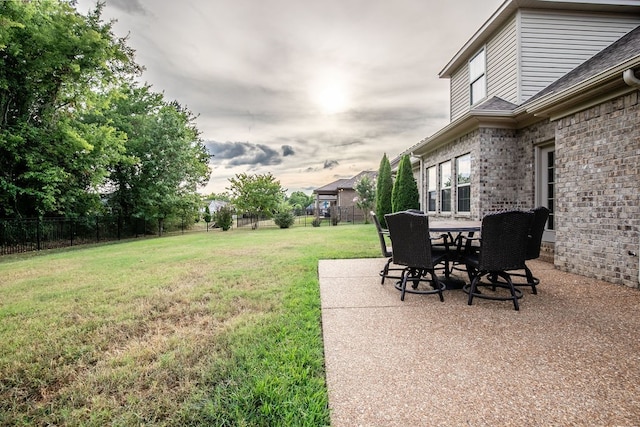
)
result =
(541, 184)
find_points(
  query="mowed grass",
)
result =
(217, 328)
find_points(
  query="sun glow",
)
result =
(329, 92)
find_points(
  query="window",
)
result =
(477, 77)
(463, 182)
(550, 186)
(445, 187)
(546, 187)
(432, 188)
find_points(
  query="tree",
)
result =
(165, 158)
(365, 188)
(224, 218)
(383, 191)
(405, 193)
(207, 216)
(224, 197)
(300, 201)
(258, 195)
(53, 62)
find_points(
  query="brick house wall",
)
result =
(502, 170)
(532, 136)
(598, 176)
(505, 171)
(449, 152)
(597, 190)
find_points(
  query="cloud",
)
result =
(330, 164)
(129, 6)
(251, 71)
(287, 150)
(232, 154)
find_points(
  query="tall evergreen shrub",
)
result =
(405, 193)
(383, 190)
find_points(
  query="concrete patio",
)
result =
(570, 356)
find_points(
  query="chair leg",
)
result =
(512, 288)
(436, 284)
(403, 285)
(532, 281)
(471, 272)
(473, 288)
(385, 271)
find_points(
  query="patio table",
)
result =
(455, 230)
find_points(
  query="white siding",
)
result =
(554, 43)
(460, 92)
(502, 71)
(502, 63)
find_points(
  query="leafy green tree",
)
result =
(384, 189)
(207, 216)
(165, 158)
(224, 218)
(300, 201)
(53, 62)
(405, 193)
(258, 194)
(366, 189)
(224, 196)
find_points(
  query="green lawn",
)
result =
(217, 328)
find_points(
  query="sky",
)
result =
(310, 92)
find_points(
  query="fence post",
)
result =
(71, 230)
(38, 237)
(97, 230)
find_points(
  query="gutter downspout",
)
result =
(629, 77)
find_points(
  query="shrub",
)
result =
(224, 218)
(316, 222)
(405, 194)
(284, 219)
(383, 191)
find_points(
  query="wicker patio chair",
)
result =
(411, 242)
(534, 240)
(503, 247)
(387, 251)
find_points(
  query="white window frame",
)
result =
(432, 187)
(543, 187)
(478, 77)
(443, 187)
(467, 158)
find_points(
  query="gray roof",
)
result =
(345, 184)
(496, 104)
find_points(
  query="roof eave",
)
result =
(464, 124)
(474, 43)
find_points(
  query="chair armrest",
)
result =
(468, 243)
(440, 241)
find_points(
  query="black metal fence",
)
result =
(26, 235)
(333, 216)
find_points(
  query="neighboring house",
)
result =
(339, 194)
(216, 205)
(545, 110)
